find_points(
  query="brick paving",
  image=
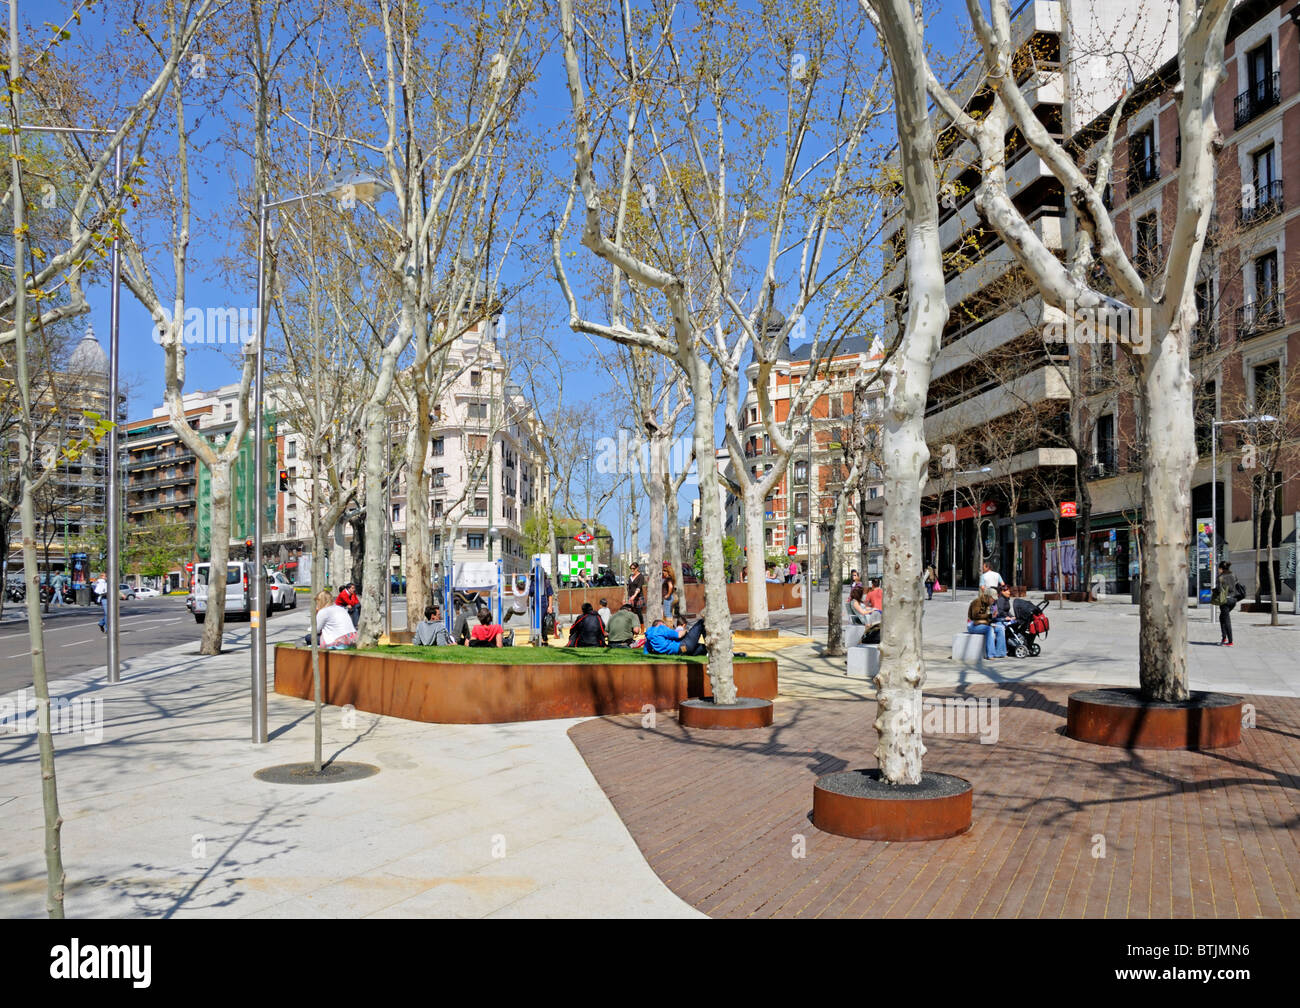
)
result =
(720, 817)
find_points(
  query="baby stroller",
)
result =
(1028, 624)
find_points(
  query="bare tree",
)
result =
(1161, 298)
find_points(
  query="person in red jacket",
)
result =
(347, 598)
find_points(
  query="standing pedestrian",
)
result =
(1227, 593)
(930, 578)
(544, 601)
(793, 572)
(990, 579)
(101, 596)
(670, 589)
(636, 592)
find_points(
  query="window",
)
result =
(1206, 335)
(437, 509)
(293, 526)
(478, 443)
(1266, 312)
(476, 379)
(871, 493)
(801, 505)
(293, 472)
(1262, 91)
(1144, 160)
(478, 411)
(436, 479)
(439, 447)
(1263, 199)
(230, 411)
(1106, 443)
(1267, 396)
(1203, 416)
(801, 473)
(474, 541)
(397, 512)
(480, 507)
(1148, 244)
(291, 449)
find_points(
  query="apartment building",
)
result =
(800, 509)
(71, 507)
(165, 483)
(998, 416)
(486, 464)
(1247, 341)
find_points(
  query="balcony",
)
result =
(1142, 171)
(1257, 99)
(1261, 316)
(1263, 203)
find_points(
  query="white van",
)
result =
(239, 589)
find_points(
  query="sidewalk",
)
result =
(163, 817)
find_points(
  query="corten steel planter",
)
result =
(858, 804)
(1121, 718)
(488, 693)
(746, 712)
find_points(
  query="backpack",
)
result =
(1239, 592)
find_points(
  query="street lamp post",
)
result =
(112, 509)
(358, 186)
(955, 474)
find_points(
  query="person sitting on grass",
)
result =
(432, 632)
(587, 629)
(623, 628)
(486, 633)
(334, 627)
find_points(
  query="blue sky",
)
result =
(210, 285)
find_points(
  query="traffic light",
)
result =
(284, 481)
(397, 546)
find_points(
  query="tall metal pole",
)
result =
(114, 484)
(808, 579)
(953, 585)
(256, 613)
(1214, 513)
(388, 530)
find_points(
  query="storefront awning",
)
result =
(943, 517)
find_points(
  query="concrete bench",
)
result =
(863, 661)
(968, 648)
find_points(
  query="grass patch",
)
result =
(531, 655)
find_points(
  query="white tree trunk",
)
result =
(717, 616)
(1167, 465)
(415, 550)
(755, 555)
(653, 484)
(214, 620)
(905, 454)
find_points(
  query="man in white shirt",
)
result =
(604, 612)
(990, 578)
(101, 596)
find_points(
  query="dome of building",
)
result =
(89, 356)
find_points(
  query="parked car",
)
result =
(147, 592)
(283, 595)
(239, 589)
(125, 591)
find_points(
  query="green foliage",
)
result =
(732, 559)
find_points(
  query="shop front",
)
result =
(946, 530)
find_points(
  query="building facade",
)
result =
(800, 510)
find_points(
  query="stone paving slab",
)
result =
(1061, 828)
(163, 817)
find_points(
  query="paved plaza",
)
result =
(607, 817)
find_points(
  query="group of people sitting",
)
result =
(988, 615)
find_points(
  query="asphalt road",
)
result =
(73, 642)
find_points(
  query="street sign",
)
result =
(793, 550)
(1069, 509)
(583, 537)
(189, 568)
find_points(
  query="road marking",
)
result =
(76, 642)
(24, 654)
